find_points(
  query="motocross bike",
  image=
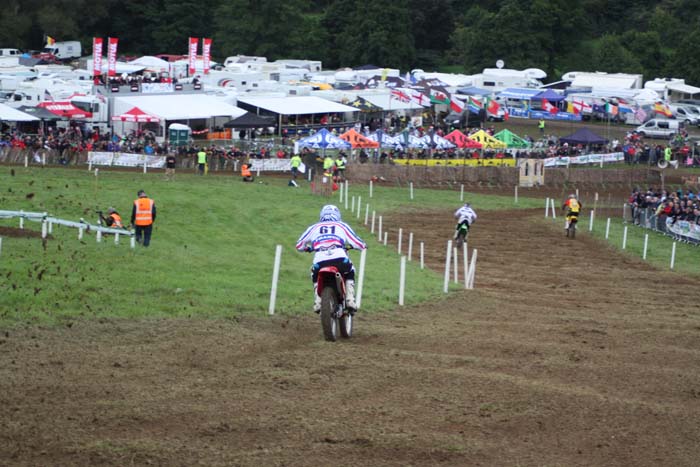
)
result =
(461, 233)
(571, 229)
(335, 316)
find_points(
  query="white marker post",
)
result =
(98, 237)
(590, 223)
(359, 206)
(465, 254)
(455, 264)
(673, 255)
(448, 256)
(646, 243)
(340, 194)
(44, 229)
(516, 194)
(410, 185)
(554, 212)
(21, 219)
(607, 229)
(80, 233)
(361, 278)
(379, 229)
(132, 241)
(386, 238)
(422, 255)
(371, 185)
(367, 215)
(0, 245)
(624, 238)
(26, 161)
(371, 230)
(89, 165)
(410, 245)
(275, 278)
(400, 239)
(402, 280)
(347, 192)
(546, 208)
(116, 238)
(352, 204)
(145, 166)
(461, 192)
(472, 269)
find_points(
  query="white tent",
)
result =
(8, 114)
(388, 103)
(151, 63)
(296, 105)
(178, 106)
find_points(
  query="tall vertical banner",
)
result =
(194, 44)
(206, 55)
(112, 56)
(96, 58)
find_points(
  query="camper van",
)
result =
(63, 51)
(659, 128)
(684, 113)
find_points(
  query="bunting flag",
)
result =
(96, 58)
(192, 54)
(662, 109)
(50, 40)
(546, 105)
(206, 55)
(456, 105)
(112, 56)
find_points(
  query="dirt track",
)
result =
(566, 354)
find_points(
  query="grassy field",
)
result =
(212, 250)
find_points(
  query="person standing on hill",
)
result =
(170, 162)
(540, 125)
(201, 161)
(295, 162)
(143, 214)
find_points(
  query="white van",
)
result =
(659, 128)
(681, 112)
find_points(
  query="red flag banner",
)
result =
(206, 55)
(96, 57)
(112, 56)
(192, 54)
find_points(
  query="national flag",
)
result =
(456, 105)
(624, 108)
(48, 96)
(662, 109)
(610, 108)
(546, 105)
(474, 105)
(399, 95)
(100, 96)
(492, 106)
(439, 96)
(418, 97)
(50, 40)
(640, 114)
(571, 108)
(582, 106)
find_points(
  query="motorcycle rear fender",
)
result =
(331, 275)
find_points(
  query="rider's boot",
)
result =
(317, 300)
(350, 295)
(566, 225)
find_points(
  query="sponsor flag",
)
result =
(206, 55)
(50, 40)
(192, 54)
(96, 57)
(456, 105)
(112, 56)
(546, 105)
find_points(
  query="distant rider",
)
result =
(329, 239)
(573, 207)
(464, 215)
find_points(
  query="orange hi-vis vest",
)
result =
(144, 211)
(116, 220)
(245, 172)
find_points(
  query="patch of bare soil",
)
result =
(18, 233)
(566, 353)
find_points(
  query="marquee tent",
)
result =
(488, 141)
(463, 141)
(64, 109)
(323, 139)
(438, 142)
(135, 115)
(39, 112)
(299, 105)
(250, 120)
(583, 136)
(511, 139)
(8, 114)
(357, 140)
(551, 96)
(385, 140)
(411, 141)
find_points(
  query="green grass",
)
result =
(659, 246)
(212, 250)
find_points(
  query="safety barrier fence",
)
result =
(647, 218)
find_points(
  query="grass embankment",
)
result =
(212, 250)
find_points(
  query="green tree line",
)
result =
(654, 38)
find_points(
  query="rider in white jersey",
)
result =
(329, 239)
(465, 214)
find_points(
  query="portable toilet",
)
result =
(179, 134)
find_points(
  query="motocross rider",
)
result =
(329, 239)
(573, 207)
(464, 215)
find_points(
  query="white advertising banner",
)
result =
(123, 159)
(153, 88)
(690, 230)
(271, 165)
(585, 159)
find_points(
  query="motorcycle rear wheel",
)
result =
(571, 231)
(329, 302)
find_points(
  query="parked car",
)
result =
(659, 128)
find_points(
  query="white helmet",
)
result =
(572, 195)
(330, 213)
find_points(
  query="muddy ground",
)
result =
(566, 354)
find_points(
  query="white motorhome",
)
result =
(498, 79)
(599, 79)
(66, 50)
(672, 89)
